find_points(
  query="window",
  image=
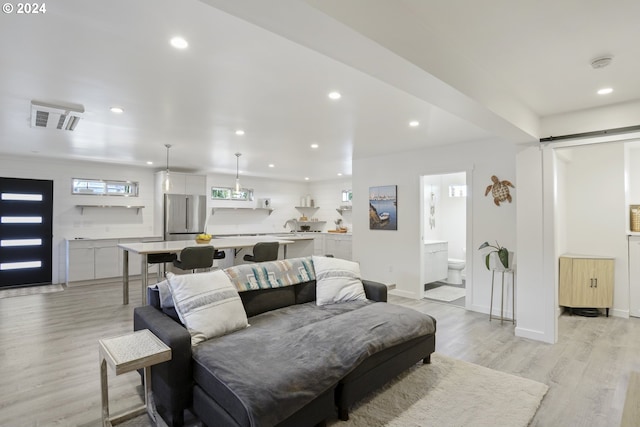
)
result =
(226, 193)
(347, 195)
(100, 187)
(457, 191)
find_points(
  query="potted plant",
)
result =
(503, 254)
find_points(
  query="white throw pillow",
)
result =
(337, 280)
(208, 304)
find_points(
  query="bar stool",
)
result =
(263, 251)
(194, 257)
(161, 259)
(504, 271)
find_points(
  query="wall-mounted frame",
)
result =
(383, 207)
(228, 193)
(104, 187)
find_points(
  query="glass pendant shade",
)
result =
(237, 187)
(167, 180)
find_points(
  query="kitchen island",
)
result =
(220, 243)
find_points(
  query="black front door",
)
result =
(26, 212)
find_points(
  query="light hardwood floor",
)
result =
(49, 372)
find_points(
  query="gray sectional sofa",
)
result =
(298, 363)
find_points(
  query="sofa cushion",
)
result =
(305, 292)
(337, 280)
(304, 350)
(262, 300)
(271, 274)
(208, 304)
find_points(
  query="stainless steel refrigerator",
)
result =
(185, 216)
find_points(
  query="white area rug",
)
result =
(30, 290)
(446, 393)
(445, 293)
(450, 393)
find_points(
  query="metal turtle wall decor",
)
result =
(499, 190)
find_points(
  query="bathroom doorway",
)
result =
(444, 237)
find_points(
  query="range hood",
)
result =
(50, 116)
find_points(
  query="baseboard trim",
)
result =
(532, 334)
(616, 312)
(406, 294)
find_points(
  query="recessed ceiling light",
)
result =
(339, 173)
(239, 132)
(149, 163)
(314, 145)
(414, 123)
(605, 91)
(271, 165)
(335, 95)
(306, 178)
(117, 110)
(179, 43)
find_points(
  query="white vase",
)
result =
(496, 264)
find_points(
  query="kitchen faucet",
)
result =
(294, 222)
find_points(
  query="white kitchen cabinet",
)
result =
(318, 244)
(95, 259)
(80, 260)
(195, 184)
(181, 183)
(301, 248)
(105, 258)
(134, 259)
(338, 245)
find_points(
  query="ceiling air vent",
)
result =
(52, 116)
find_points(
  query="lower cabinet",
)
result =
(89, 259)
(80, 261)
(105, 258)
(338, 245)
(586, 282)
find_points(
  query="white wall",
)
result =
(394, 256)
(535, 292)
(328, 195)
(634, 173)
(68, 220)
(284, 195)
(596, 211)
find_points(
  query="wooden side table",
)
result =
(126, 353)
(504, 271)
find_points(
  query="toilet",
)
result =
(454, 275)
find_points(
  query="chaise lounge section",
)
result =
(314, 346)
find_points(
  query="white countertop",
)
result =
(571, 255)
(175, 246)
(91, 239)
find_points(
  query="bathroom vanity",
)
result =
(436, 264)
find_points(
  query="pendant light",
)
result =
(167, 182)
(238, 188)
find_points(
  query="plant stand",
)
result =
(503, 271)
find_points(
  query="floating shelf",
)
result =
(343, 210)
(311, 222)
(308, 207)
(83, 207)
(213, 210)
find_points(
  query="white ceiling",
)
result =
(467, 70)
